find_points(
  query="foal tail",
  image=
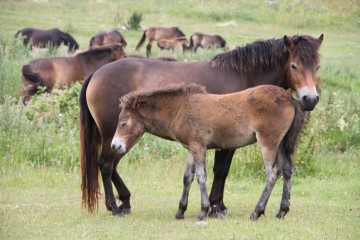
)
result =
(191, 44)
(89, 142)
(292, 136)
(142, 40)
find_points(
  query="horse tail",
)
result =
(89, 142)
(91, 42)
(17, 34)
(191, 44)
(31, 76)
(142, 40)
(291, 138)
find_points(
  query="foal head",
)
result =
(130, 128)
(303, 64)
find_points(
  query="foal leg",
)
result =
(106, 164)
(272, 170)
(287, 170)
(188, 179)
(148, 48)
(123, 191)
(200, 163)
(223, 159)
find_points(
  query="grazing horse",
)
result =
(156, 34)
(174, 43)
(265, 114)
(107, 38)
(47, 38)
(206, 41)
(289, 62)
(63, 71)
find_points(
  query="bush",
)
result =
(135, 20)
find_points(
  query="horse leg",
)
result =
(272, 170)
(223, 159)
(28, 93)
(287, 170)
(123, 191)
(187, 180)
(106, 164)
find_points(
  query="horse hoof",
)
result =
(254, 216)
(216, 215)
(201, 224)
(281, 215)
(125, 211)
(179, 215)
(118, 214)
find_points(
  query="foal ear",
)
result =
(320, 39)
(136, 102)
(288, 43)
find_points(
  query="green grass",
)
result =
(40, 194)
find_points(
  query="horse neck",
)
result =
(275, 76)
(93, 63)
(160, 112)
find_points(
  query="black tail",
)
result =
(17, 34)
(291, 138)
(142, 40)
(31, 77)
(89, 143)
(191, 44)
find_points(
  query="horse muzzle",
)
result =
(308, 102)
(118, 146)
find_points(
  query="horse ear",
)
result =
(320, 39)
(288, 43)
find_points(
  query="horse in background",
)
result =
(156, 34)
(206, 41)
(107, 38)
(52, 38)
(265, 114)
(287, 62)
(174, 44)
(64, 71)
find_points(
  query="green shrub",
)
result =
(135, 20)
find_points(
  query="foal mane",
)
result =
(170, 90)
(266, 54)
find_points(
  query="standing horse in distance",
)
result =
(174, 44)
(206, 41)
(52, 38)
(289, 62)
(156, 34)
(64, 71)
(107, 38)
(265, 114)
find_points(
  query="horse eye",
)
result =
(123, 124)
(293, 66)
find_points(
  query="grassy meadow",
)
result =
(40, 195)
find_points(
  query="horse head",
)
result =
(304, 62)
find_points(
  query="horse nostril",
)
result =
(304, 98)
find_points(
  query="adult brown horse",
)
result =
(206, 41)
(265, 114)
(174, 44)
(289, 62)
(107, 38)
(47, 38)
(63, 71)
(156, 34)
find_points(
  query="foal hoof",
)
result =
(179, 215)
(201, 224)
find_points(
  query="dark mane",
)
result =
(99, 52)
(170, 90)
(266, 54)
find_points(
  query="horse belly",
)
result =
(234, 138)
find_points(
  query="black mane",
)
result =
(266, 54)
